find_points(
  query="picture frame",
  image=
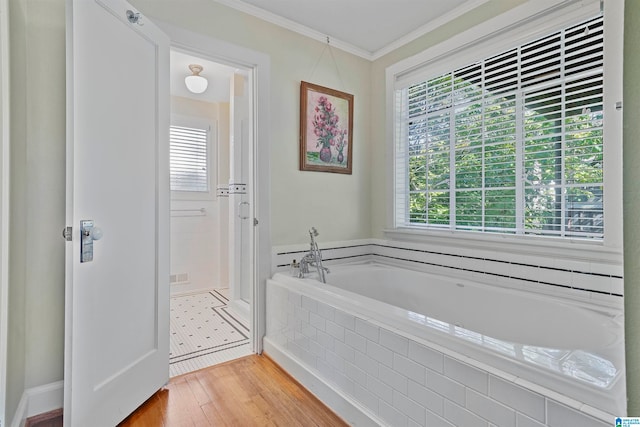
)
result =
(326, 129)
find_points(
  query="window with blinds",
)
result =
(510, 144)
(189, 159)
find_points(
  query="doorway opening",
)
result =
(211, 240)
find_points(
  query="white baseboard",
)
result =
(241, 308)
(21, 412)
(344, 406)
(38, 400)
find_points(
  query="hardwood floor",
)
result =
(251, 391)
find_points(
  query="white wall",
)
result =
(198, 240)
(195, 247)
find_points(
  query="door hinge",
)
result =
(255, 222)
(67, 233)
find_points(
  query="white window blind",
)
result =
(510, 144)
(188, 153)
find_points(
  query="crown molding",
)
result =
(467, 6)
(342, 45)
(295, 27)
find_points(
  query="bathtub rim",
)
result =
(557, 388)
(584, 298)
(609, 310)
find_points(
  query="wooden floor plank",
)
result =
(187, 411)
(214, 417)
(198, 390)
(149, 414)
(251, 391)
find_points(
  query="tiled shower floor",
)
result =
(205, 332)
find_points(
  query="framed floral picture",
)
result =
(326, 129)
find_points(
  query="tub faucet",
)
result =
(313, 258)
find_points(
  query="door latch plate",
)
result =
(86, 245)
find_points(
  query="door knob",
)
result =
(95, 233)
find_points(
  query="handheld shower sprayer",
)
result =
(313, 257)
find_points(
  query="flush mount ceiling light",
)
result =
(195, 82)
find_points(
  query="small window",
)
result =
(189, 159)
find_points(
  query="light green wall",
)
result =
(36, 256)
(631, 201)
(16, 335)
(45, 167)
(337, 205)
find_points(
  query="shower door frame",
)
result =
(258, 65)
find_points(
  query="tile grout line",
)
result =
(203, 332)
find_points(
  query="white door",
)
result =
(117, 304)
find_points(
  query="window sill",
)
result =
(522, 245)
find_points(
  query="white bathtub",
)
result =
(564, 350)
(507, 315)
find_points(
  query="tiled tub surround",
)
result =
(395, 375)
(568, 277)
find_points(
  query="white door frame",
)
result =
(4, 200)
(259, 65)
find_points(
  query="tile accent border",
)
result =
(469, 260)
(237, 188)
(580, 279)
(210, 331)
